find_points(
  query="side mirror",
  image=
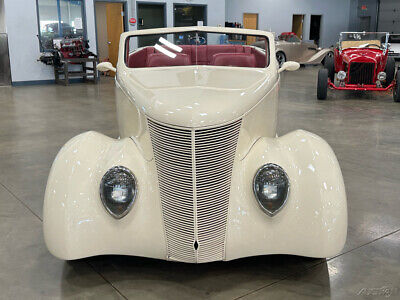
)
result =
(106, 66)
(289, 66)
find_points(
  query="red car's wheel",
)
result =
(329, 64)
(396, 88)
(322, 85)
(390, 70)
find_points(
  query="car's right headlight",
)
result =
(271, 188)
(118, 189)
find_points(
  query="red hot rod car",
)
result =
(360, 62)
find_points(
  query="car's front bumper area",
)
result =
(360, 87)
(312, 223)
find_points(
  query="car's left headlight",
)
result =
(118, 189)
(341, 75)
(271, 188)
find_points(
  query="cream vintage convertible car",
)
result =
(198, 173)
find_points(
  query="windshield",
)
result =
(195, 48)
(376, 40)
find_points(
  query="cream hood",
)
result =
(196, 96)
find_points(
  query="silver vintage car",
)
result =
(288, 47)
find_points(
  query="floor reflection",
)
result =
(151, 278)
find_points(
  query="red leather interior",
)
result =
(187, 49)
(233, 55)
(247, 60)
(138, 59)
(162, 60)
(215, 49)
(199, 55)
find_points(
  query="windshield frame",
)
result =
(200, 29)
(384, 45)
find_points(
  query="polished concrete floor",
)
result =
(363, 130)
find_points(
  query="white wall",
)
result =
(22, 29)
(276, 15)
(22, 26)
(91, 24)
(215, 10)
(23, 43)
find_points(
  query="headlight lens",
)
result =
(118, 190)
(341, 75)
(271, 188)
(381, 76)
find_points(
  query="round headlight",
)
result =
(381, 76)
(341, 75)
(271, 188)
(118, 190)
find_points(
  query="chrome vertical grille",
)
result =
(214, 155)
(361, 73)
(173, 155)
(194, 172)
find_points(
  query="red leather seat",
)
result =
(138, 58)
(186, 49)
(162, 60)
(214, 49)
(199, 55)
(246, 60)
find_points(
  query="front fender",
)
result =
(314, 220)
(76, 224)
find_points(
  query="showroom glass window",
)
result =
(58, 19)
